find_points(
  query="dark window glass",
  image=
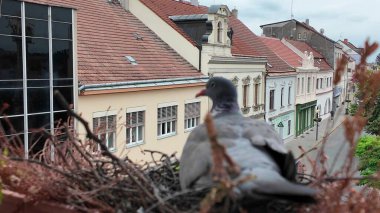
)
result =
(60, 118)
(11, 7)
(38, 121)
(61, 14)
(36, 11)
(14, 98)
(10, 25)
(61, 30)
(67, 93)
(10, 57)
(63, 82)
(62, 59)
(38, 100)
(37, 56)
(11, 84)
(12, 125)
(38, 83)
(36, 28)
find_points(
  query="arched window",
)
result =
(220, 32)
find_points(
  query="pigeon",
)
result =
(252, 144)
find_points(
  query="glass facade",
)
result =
(36, 58)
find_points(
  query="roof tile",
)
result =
(106, 33)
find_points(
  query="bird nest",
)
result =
(97, 181)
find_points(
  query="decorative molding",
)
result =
(235, 81)
(257, 80)
(246, 110)
(247, 80)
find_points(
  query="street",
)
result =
(336, 148)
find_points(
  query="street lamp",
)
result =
(317, 119)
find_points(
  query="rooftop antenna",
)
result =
(291, 11)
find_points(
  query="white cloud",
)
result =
(352, 19)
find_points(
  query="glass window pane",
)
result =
(37, 56)
(128, 135)
(62, 59)
(36, 28)
(60, 118)
(10, 25)
(38, 121)
(111, 140)
(38, 100)
(38, 83)
(62, 30)
(67, 93)
(173, 126)
(61, 14)
(63, 82)
(10, 57)
(14, 84)
(134, 136)
(15, 123)
(11, 7)
(37, 140)
(14, 98)
(140, 134)
(36, 11)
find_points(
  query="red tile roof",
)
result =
(106, 33)
(283, 51)
(319, 61)
(245, 42)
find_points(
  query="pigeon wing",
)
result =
(195, 161)
(262, 134)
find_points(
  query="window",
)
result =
(282, 97)
(308, 84)
(289, 126)
(257, 87)
(192, 115)
(298, 86)
(245, 95)
(27, 83)
(135, 127)
(289, 95)
(105, 128)
(303, 85)
(320, 83)
(271, 99)
(220, 32)
(317, 83)
(167, 121)
(305, 35)
(299, 36)
(330, 81)
(312, 84)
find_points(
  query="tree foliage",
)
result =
(368, 151)
(378, 59)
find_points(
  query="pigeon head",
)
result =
(222, 93)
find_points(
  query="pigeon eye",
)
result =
(212, 85)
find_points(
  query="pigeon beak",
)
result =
(201, 93)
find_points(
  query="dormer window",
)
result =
(220, 32)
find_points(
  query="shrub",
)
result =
(368, 151)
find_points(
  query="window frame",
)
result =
(134, 127)
(106, 114)
(166, 123)
(271, 99)
(194, 119)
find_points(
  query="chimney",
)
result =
(195, 2)
(322, 31)
(345, 41)
(125, 4)
(307, 22)
(234, 13)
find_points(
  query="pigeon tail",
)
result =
(269, 185)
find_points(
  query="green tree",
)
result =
(368, 152)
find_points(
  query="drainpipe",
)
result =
(200, 58)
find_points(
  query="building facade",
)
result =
(203, 36)
(134, 90)
(37, 57)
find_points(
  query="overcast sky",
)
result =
(355, 20)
